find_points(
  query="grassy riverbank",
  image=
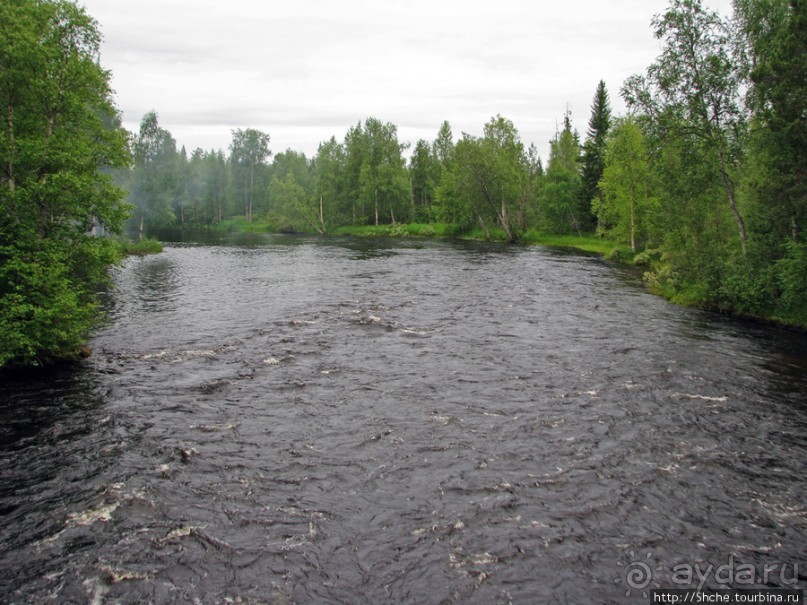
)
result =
(587, 243)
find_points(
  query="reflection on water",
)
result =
(156, 282)
(354, 420)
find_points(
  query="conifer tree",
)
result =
(593, 159)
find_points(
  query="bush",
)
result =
(647, 258)
(44, 313)
(141, 248)
(792, 278)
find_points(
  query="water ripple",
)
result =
(348, 421)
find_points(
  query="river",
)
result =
(301, 420)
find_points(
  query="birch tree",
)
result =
(250, 150)
(697, 80)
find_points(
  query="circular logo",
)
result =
(637, 574)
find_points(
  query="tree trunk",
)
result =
(573, 222)
(321, 216)
(505, 222)
(632, 228)
(412, 200)
(484, 227)
(375, 199)
(729, 187)
(140, 230)
(251, 184)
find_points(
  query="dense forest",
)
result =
(705, 178)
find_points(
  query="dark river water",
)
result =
(294, 420)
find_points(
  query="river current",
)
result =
(303, 420)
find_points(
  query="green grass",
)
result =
(140, 248)
(400, 230)
(587, 243)
(362, 230)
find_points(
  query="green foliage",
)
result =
(249, 151)
(328, 168)
(561, 209)
(727, 223)
(419, 230)
(141, 247)
(594, 149)
(647, 258)
(791, 272)
(401, 230)
(448, 206)
(383, 184)
(693, 92)
(775, 31)
(290, 209)
(451, 206)
(628, 205)
(59, 139)
(425, 171)
(447, 229)
(155, 177)
(42, 313)
(587, 243)
(292, 204)
(489, 177)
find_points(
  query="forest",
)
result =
(704, 180)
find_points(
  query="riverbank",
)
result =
(587, 243)
(603, 246)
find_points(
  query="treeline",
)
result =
(490, 181)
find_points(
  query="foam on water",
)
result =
(319, 420)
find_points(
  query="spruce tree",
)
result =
(562, 183)
(593, 159)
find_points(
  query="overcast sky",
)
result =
(306, 70)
